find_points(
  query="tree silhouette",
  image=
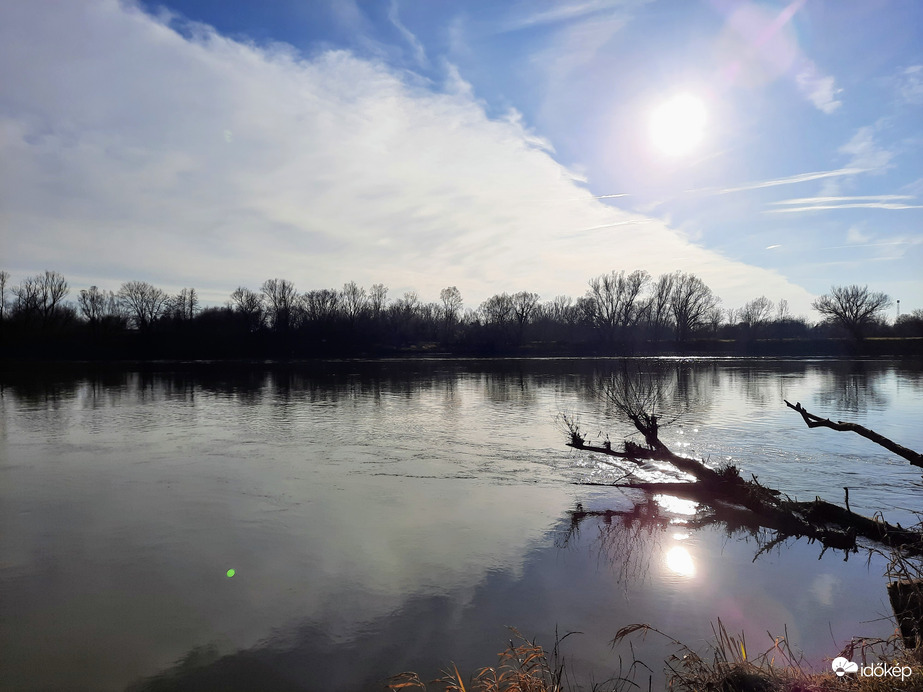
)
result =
(4, 282)
(524, 307)
(451, 308)
(378, 296)
(321, 305)
(143, 302)
(250, 305)
(691, 303)
(657, 310)
(854, 308)
(92, 303)
(756, 312)
(354, 301)
(281, 301)
(613, 302)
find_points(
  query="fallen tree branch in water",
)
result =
(833, 526)
(815, 421)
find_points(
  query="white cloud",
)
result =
(857, 205)
(818, 88)
(865, 152)
(910, 84)
(788, 180)
(839, 202)
(533, 13)
(854, 198)
(419, 53)
(133, 152)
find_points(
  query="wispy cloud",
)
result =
(540, 13)
(790, 180)
(865, 152)
(863, 205)
(910, 84)
(898, 242)
(418, 51)
(818, 88)
(859, 198)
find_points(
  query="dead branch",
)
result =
(835, 527)
(814, 421)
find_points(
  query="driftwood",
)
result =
(814, 421)
(834, 526)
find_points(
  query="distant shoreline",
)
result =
(891, 347)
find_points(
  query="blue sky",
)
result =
(491, 146)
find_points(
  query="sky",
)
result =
(770, 148)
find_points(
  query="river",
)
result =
(399, 515)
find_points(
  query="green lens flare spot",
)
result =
(231, 572)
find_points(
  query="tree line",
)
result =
(619, 312)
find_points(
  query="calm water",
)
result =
(391, 516)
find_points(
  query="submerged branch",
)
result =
(815, 421)
(834, 526)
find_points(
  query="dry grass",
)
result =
(522, 667)
(730, 666)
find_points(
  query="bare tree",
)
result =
(451, 308)
(407, 306)
(378, 296)
(404, 315)
(782, 311)
(4, 282)
(657, 310)
(854, 308)
(613, 301)
(40, 296)
(559, 310)
(451, 303)
(26, 299)
(143, 302)
(92, 303)
(281, 300)
(249, 304)
(756, 312)
(183, 306)
(321, 305)
(353, 301)
(53, 290)
(733, 315)
(497, 310)
(190, 301)
(524, 304)
(101, 307)
(691, 302)
(713, 320)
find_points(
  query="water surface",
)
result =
(399, 515)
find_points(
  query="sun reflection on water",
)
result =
(676, 505)
(679, 561)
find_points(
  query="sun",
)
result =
(678, 125)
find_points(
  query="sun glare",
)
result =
(678, 125)
(679, 561)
